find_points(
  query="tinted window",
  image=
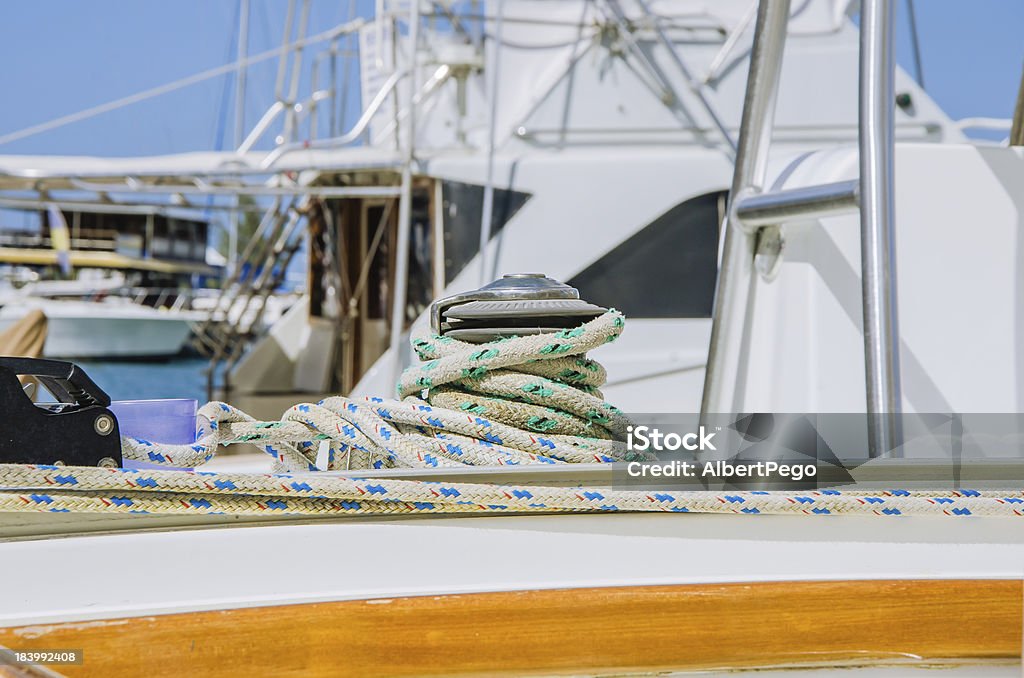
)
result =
(463, 208)
(666, 270)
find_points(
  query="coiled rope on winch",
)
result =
(522, 400)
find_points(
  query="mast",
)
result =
(240, 75)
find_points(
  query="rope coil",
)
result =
(523, 400)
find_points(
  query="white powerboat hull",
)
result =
(552, 595)
(84, 329)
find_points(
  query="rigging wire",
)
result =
(193, 79)
(915, 44)
(226, 87)
(341, 96)
(225, 94)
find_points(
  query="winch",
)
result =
(517, 304)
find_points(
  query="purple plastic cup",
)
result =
(171, 421)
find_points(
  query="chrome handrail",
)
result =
(430, 85)
(877, 219)
(737, 267)
(750, 209)
(810, 202)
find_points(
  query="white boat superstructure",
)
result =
(610, 153)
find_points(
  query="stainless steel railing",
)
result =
(877, 218)
(811, 202)
(751, 209)
(737, 267)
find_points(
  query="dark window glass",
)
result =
(666, 270)
(419, 292)
(463, 207)
(379, 273)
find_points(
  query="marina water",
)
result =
(127, 380)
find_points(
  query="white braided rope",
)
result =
(525, 400)
(48, 488)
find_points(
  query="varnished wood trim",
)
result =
(568, 631)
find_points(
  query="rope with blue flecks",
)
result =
(519, 401)
(102, 490)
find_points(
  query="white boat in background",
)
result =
(92, 316)
(103, 316)
(105, 329)
(124, 287)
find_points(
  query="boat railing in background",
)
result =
(987, 124)
(234, 320)
(669, 94)
(104, 242)
(1003, 126)
(353, 135)
(286, 89)
(754, 216)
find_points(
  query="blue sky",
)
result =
(66, 55)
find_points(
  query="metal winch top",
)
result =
(515, 305)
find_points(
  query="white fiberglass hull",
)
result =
(84, 329)
(704, 585)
